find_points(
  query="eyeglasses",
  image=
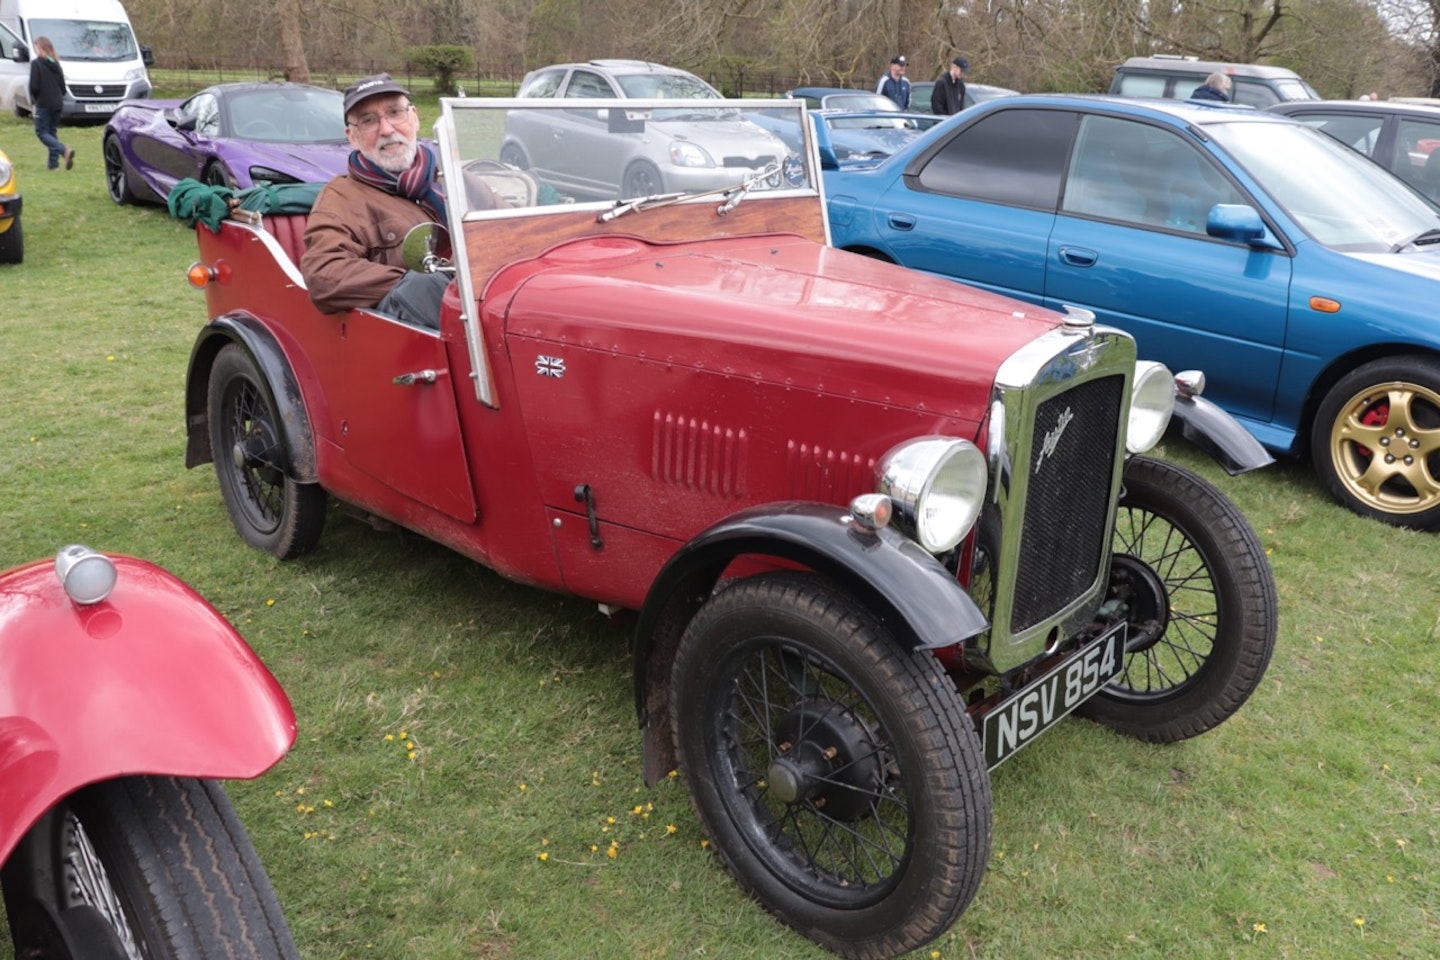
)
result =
(370, 122)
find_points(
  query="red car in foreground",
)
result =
(880, 530)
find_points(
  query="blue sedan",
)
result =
(1300, 276)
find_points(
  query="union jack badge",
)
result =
(550, 366)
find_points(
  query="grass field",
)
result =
(468, 759)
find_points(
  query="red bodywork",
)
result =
(679, 382)
(151, 680)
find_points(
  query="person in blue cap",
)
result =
(894, 85)
(948, 96)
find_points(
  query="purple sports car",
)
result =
(231, 134)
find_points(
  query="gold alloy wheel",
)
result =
(1384, 446)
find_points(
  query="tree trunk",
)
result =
(291, 45)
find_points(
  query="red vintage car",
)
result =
(881, 530)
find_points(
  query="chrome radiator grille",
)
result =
(1067, 508)
(1056, 447)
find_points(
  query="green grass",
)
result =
(1313, 809)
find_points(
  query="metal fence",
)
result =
(179, 69)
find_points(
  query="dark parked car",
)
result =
(840, 98)
(974, 93)
(1402, 137)
(854, 136)
(879, 530)
(1175, 78)
(1300, 276)
(231, 134)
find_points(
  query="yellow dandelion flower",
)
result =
(934, 955)
(612, 853)
(1259, 928)
(1400, 842)
(609, 819)
(404, 735)
(279, 793)
(544, 842)
(670, 828)
(594, 848)
(411, 754)
(389, 737)
(1359, 921)
(329, 803)
(636, 809)
(1389, 878)
(300, 790)
(410, 745)
(673, 774)
(269, 603)
(523, 788)
(704, 844)
(544, 856)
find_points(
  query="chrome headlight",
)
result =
(938, 486)
(1152, 399)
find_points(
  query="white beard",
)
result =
(392, 161)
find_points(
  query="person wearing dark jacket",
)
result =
(47, 100)
(948, 96)
(893, 83)
(1216, 87)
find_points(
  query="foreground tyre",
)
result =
(269, 509)
(12, 243)
(144, 868)
(116, 181)
(1192, 579)
(838, 776)
(1376, 441)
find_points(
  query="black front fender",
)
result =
(1220, 435)
(908, 590)
(285, 397)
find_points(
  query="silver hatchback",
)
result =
(600, 153)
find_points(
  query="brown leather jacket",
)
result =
(352, 244)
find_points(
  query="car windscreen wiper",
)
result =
(733, 195)
(1425, 237)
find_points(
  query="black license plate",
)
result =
(1050, 697)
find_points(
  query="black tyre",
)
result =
(838, 776)
(269, 509)
(117, 183)
(1376, 441)
(143, 868)
(513, 156)
(217, 176)
(12, 243)
(1195, 585)
(641, 179)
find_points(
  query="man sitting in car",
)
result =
(353, 238)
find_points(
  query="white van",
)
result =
(94, 43)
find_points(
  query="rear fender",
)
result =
(284, 393)
(908, 590)
(151, 680)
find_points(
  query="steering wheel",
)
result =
(260, 130)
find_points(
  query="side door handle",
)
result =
(900, 221)
(1078, 256)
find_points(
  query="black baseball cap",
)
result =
(372, 86)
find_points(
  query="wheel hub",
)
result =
(827, 758)
(253, 451)
(1144, 600)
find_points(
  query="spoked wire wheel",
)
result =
(271, 511)
(837, 774)
(1191, 577)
